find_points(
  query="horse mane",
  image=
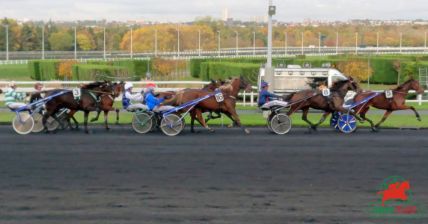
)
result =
(93, 85)
(405, 83)
(337, 85)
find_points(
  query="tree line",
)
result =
(27, 36)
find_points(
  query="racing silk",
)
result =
(265, 96)
(152, 101)
(128, 96)
(11, 96)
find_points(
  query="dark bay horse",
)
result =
(306, 99)
(88, 101)
(397, 102)
(226, 107)
(106, 104)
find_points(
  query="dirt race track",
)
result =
(225, 177)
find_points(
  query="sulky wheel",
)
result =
(333, 120)
(23, 123)
(38, 123)
(142, 122)
(280, 124)
(52, 124)
(347, 123)
(268, 121)
(171, 125)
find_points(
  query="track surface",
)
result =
(224, 177)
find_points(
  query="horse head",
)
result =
(244, 84)
(354, 86)
(118, 88)
(414, 85)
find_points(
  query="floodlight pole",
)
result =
(236, 42)
(269, 71)
(377, 42)
(43, 41)
(218, 44)
(199, 43)
(254, 43)
(75, 43)
(132, 42)
(104, 43)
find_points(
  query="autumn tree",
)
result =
(61, 41)
(65, 68)
(357, 69)
(85, 41)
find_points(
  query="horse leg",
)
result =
(106, 120)
(305, 118)
(96, 117)
(385, 116)
(405, 107)
(71, 116)
(236, 119)
(117, 116)
(324, 116)
(363, 113)
(85, 123)
(192, 121)
(201, 120)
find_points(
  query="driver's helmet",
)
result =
(150, 86)
(128, 85)
(264, 84)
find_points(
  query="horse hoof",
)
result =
(93, 119)
(211, 130)
(314, 128)
(230, 126)
(247, 131)
(107, 129)
(419, 119)
(375, 129)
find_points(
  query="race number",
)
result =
(389, 94)
(326, 92)
(350, 95)
(219, 97)
(77, 93)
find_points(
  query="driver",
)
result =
(128, 97)
(153, 102)
(268, 99)
(11, 97)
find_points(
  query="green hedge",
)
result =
(48, 69)
(43, 69)
(224, 70)
(98, 72)
(33, 68)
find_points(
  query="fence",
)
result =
(248, 98)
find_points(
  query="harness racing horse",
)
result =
(88, 101)
(226, 107)
(306, 99)
(106, 104)
(397, 102)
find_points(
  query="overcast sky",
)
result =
(188, 10)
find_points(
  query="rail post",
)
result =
(420, 99)
(252, 99)
(243, 97)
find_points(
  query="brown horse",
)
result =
(226, 107)
(306, 99)
(397, 102)
(88, 101)
(106, 104)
